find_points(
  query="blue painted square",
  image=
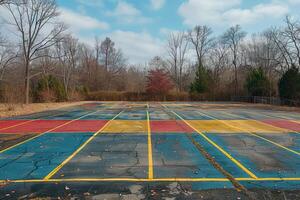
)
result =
(132, 115)
(220, 158)
(38, 157)
(260, 157)
(174, 155)
(110, 156)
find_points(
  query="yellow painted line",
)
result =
(22, 123)
(234, 115)
(134, 105)
(280, 116)
(175, 105)
(121, 180)
(276, 144)
(255, 135)
(268, 115)
(289, 130)
(54, 171)
(283, 129)
(280, 179)
(150, 158)
(148, 180)
(270, 179)
(32, 120)
(39, 135)
(263, 123)
(241, 166)
(298, 122)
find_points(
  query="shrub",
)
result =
(143, 96)
(11, 93)
(49, 88)
(47, 96)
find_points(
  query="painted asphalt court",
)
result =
(153, 142)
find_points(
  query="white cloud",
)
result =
(165, 32)
(127, 13)
(138, 47)
(259, 12)
(125, 9)
(228, 12)
(98, 3)
(157, 4)
(294, 1)
(78, 22)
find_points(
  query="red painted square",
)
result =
(82, 126)
(284, 124)
(170, 126)
(7, 123)
(37, 126)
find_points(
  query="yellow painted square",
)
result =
(212, 126)
(254, 126)
(126, 126)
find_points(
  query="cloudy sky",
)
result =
(140, 27)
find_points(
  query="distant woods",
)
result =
(42, 62)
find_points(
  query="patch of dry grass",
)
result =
(9, 110)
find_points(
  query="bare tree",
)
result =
(37, 28)
(157, 62)
(90, 68)
(112, 59)
(270, 53)
(7, 55)
(200, 38)
(67, 51)
(2, 2)
(97, 49)
(106, 51)
(218, 60)
(282, 44)
(177, 50)
(292, 33)
(233, 37)
(136, 79)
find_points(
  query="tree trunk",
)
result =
(235, 75)
(236, 81)
(27, 79)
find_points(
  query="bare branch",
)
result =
(177, 50)
(201, 39)
(38, 28)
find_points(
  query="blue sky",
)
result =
(140, 27)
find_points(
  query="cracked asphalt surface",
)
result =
(141, 150)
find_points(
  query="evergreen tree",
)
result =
(257, 83)
(289, 84)
(201, 82)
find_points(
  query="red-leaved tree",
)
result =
(158, 82)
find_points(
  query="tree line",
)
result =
(41, 61)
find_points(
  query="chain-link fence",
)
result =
(266, 100)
